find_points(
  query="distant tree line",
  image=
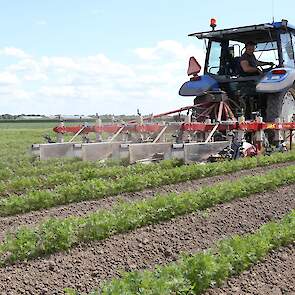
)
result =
(14, 117)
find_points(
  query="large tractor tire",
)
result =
(281, 105)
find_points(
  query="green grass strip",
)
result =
(194, 274)
(61, 234)
(99, 188)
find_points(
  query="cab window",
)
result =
(293, 42)
(287, 50)
(214, 58)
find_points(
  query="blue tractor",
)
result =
(271, 91)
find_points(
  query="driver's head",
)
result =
(250, 47)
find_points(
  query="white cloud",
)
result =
(28, 69)
(147, 53)
(90, 84)
(169, 49)
(7, 78)
(57, 91)
(14, 52)
(65, 63)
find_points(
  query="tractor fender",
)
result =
(198, 87)
(272, 83)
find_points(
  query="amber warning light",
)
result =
(213, 23)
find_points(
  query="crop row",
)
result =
(27, 166)
(60, 234)
(77, 172)
(93, 189)
(196, 273)
(30, 167)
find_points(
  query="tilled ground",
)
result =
(11, 223)
(273, 276)
(85, 266)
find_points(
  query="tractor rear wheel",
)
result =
(281, 105)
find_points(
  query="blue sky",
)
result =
(83, 56)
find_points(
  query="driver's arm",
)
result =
(247, 68)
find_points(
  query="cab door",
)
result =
(287, 44)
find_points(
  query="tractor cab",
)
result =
(275, 43)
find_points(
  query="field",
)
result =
(73, 227)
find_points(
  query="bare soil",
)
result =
(11, 223)
(275, 275)
(86, 266)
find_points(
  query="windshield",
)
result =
(224, 56)
(268, 52)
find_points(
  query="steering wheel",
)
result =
(268, 68)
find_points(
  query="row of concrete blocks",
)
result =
(134, 152)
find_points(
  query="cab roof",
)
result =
(258, 33)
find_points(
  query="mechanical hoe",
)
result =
(232, 115)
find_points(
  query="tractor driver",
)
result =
(249, 63)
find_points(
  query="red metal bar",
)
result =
(250, 126)
(146, 128)
(169, 113)
(202, 127)
(72, 129)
